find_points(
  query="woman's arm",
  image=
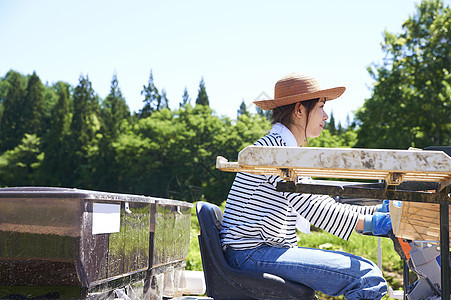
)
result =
(360, 223)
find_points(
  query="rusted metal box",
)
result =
(62, 243)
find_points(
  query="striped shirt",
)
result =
(256, 213)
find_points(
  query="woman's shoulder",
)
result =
(271, 139)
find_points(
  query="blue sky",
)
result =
(240, 48)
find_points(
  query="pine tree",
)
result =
(55, 164)
(114, 110)
(340, 129)
(12, 123)
(348, 122)
(85, 124)
(84, 121)
(33, 111)
(152, 99)
(202, 97)
(164, 100)
(331, 127)
(115, 113)
(185, 98)
(60, 118)
(242, 110)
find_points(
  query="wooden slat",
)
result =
(416, 221)
(328, 173)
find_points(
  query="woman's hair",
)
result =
(284, 114)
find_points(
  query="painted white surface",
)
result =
(106, 218)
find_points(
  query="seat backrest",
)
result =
(216, 268)
(210, 221)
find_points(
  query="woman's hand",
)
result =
(383, 207)
(377, 224)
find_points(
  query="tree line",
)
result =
(67, 136)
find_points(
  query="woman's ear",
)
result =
(298, 112)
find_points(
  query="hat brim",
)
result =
(329, 94)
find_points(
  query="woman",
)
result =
(258, 231)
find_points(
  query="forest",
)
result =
(67, 136)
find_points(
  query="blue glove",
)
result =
(383, 207)
(377, 224)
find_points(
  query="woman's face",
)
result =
(316, 119)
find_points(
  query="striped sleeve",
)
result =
(324, 212)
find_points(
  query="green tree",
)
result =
(152, 99)
(185, 98)
(33, 111)
(242, 110)
(349, 124)
(202, 97)
(114, 110)
(331, 124)
(144, 154)
(83, 137)
(4, 85)
(85, 122)
(55, 164)
(263, 113)
(346, 139)
(115, 117)
(411, 100)
(18, 166)
(164, 100)
(340, 129)
(12, 123)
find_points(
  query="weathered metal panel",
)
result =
(49, 248)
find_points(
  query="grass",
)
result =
(365, 246)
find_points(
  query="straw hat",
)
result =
(297, 87)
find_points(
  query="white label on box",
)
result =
(106, 218)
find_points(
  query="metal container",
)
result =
(60, 243)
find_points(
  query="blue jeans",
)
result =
(330, 272)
